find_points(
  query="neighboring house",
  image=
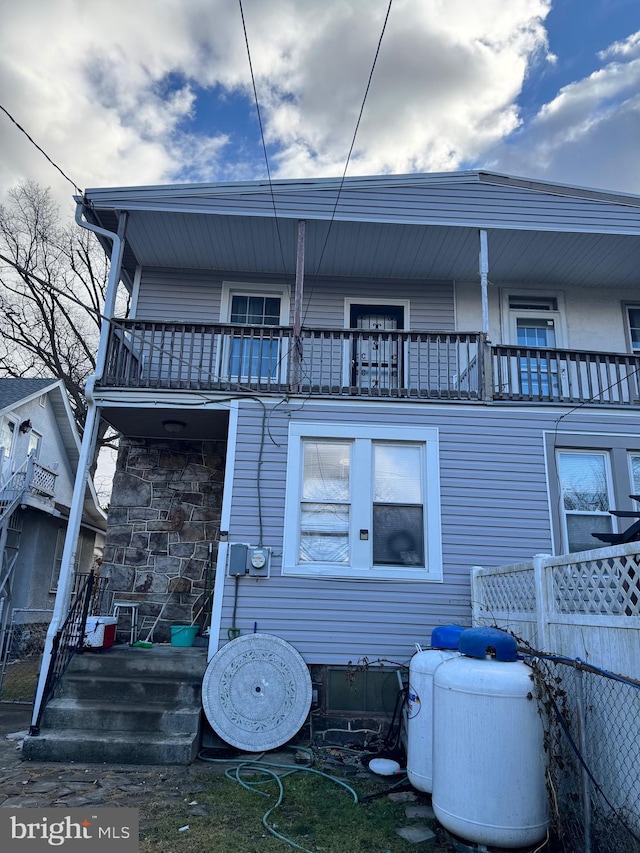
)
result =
(39, 451)
(374, 385)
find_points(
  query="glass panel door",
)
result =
(538, 374)
(377, 356)
(254, 356)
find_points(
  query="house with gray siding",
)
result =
(39, 451)
(337, 397)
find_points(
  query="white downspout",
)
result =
(87, 448)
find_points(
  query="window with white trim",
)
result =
(363, 502)
(586, 489)
(633, 326)
(7, 436)
(634, 463)
(590, 474)
(33, 445)
(253, 355)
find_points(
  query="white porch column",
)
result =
(484, 280)
(87, 449)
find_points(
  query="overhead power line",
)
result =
(353, 142)
(264, 144)
(41, 150)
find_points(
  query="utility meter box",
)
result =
(259, 562)
(248, 560)
(237, 565)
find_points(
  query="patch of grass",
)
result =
(20, 679)
(315, 813)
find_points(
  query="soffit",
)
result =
(374, 249)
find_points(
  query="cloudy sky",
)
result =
(159, 91)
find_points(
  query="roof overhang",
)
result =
(412, 226)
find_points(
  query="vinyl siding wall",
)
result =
(495, 510)
(174, 295)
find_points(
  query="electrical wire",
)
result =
(264, 144)
(351, 147)
(41, 150)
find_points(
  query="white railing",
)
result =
(41, 480)
(31, 479)
(584, 605)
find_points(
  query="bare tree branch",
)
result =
(52, 287)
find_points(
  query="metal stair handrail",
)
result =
(12, 490)
(70, 638)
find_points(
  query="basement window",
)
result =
(361, 691)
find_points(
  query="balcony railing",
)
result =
(230, 357)
(363, 363)
(565, 376)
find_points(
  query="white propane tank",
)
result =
(488, 754)
(444, 645)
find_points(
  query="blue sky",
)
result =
(578, 30)
(158, 91)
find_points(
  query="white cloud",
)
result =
(108, 89)
(588, 134)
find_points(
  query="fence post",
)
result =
(582, 742)
(476, 603)
(543, 602)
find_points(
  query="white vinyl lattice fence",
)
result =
(582, 613)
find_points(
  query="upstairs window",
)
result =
(255, 310)
(633, 327)
(254, 354)
(363, 503)
(535, 322)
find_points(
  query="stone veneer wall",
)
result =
(164, 512)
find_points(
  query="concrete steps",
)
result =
(126, 706)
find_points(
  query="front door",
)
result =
(376, 362)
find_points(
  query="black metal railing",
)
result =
(69, 639)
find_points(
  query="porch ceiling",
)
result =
(147, 422)
(252, 244)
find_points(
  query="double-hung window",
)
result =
(585, 492)
(363, 503)
(633, 327)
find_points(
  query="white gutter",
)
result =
(87, 448)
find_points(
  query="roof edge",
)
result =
(284, 185)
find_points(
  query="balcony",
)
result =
(418, 365)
